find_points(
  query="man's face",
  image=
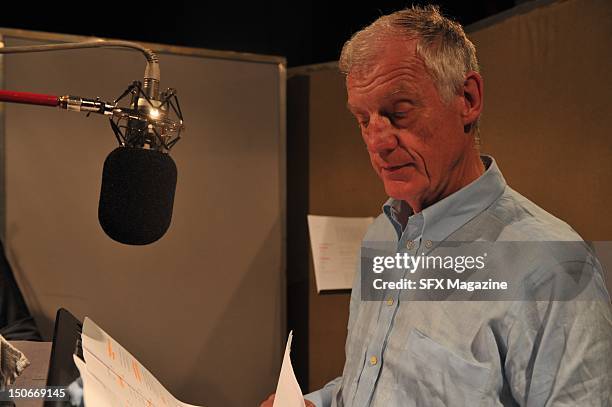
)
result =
(414, 139)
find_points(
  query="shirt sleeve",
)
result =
(560, 352)
(323, 396)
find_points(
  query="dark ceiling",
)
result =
(303, 32)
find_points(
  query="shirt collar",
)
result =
(449, 214)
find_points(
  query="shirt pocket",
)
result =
(433, 375)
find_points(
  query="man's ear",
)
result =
(472, 99)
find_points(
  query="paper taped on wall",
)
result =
(335, 243)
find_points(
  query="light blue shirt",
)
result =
(474, 353)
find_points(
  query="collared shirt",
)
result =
(473, 353)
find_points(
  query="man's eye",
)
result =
(400, 115)
(363, 123)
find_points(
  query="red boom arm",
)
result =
(28, 98)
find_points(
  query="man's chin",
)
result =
(402, 191)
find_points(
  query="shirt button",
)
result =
(428, 244)
(409, 244)
(373, 360)
(390, 301)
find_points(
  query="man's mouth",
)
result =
(392, 168)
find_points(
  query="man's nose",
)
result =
(380, 134)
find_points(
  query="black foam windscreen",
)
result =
(137, 195)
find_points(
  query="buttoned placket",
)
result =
(409, 242)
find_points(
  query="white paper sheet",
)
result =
(98, 393)
(288, 392)
(113, 377)
(335, 243)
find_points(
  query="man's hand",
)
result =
(270, 401)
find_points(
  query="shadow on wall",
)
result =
(16, 322)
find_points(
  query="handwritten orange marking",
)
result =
(136, 371)
(109, 349)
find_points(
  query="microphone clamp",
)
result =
(144, 123)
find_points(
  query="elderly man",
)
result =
(413, 86)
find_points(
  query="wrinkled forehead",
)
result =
(391, 59)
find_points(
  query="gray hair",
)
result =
(446, 51)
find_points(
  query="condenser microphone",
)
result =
(139, 176)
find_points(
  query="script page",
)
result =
(113, 377)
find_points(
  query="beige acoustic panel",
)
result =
(203, 308)
(547, 121)
(548, 110)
